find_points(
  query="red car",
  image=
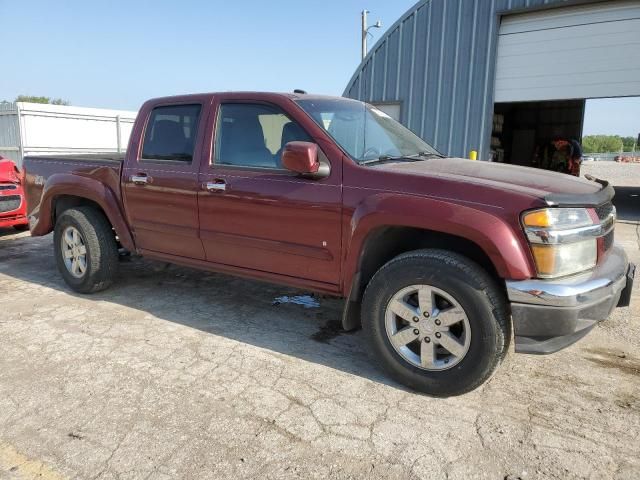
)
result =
(13, 206)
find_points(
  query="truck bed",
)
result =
(103, 166)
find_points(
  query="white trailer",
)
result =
(42, 129)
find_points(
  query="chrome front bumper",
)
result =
(549, 315)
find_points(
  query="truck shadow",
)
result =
(6, 232)
(242, 310)
(627, 202)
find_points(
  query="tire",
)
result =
(454, 284)
(21, 228)
(100, 249)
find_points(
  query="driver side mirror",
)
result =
(302, 158)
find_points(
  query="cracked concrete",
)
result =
(176, 373)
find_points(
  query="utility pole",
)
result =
(365, 31)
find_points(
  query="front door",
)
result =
(161, 184)
(256, 215)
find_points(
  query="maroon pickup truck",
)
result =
(438, 259)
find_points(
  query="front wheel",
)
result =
(436, 321)
(85, 249)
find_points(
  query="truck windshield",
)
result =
(365, 132)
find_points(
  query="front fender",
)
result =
(485, 225)
(66, 184)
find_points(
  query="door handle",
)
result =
(139, 179)
(216, 186)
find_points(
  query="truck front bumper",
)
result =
(12, 221)
(549, 315)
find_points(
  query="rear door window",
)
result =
(171, 133)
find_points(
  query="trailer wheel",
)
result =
(85, 249)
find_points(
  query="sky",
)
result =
(612, 116)
(116, 53)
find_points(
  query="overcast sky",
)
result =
(118, 53)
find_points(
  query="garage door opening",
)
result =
(548, 62)
(524, 132)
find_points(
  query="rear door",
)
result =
(160, 179)
(253, 213)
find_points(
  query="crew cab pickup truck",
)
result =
(440, 260)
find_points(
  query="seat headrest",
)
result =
(292, 132)
(167, 137)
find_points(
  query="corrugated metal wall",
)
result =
(9, 131)
(438, 61)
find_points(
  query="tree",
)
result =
(628, 143)
(34, 99)
(602, 144)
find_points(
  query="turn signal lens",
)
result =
(539, 218)
(560, 218)
(562, 260)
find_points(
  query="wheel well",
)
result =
(389, 242)
(65, 202)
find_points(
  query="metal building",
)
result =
(501, 76)
(40, 129)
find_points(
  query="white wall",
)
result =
(59, 129)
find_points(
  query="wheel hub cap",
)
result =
(74, 252)
(440, 337)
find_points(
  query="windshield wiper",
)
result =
(431, 155)
(391, 158)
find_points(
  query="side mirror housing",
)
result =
(302, 158)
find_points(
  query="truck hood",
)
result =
(553, 187)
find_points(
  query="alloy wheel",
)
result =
(74, 252)
(427, 327)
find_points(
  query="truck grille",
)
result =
(8, 187)
(9, 203)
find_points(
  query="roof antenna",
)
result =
(298, 90)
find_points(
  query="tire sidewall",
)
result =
(62, 223)
(485, 344)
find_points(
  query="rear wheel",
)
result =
(436, 322)
(85, 249)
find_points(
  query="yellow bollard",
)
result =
(473, 155)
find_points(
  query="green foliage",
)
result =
(33, 99)
(602, 144)
(628, 143)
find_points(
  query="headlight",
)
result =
(563, 240)
(561, 260)
(558, 218)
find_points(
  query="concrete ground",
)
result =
(175, 373)
(618, 174)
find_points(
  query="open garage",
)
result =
(548, 63)
(502, 77)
